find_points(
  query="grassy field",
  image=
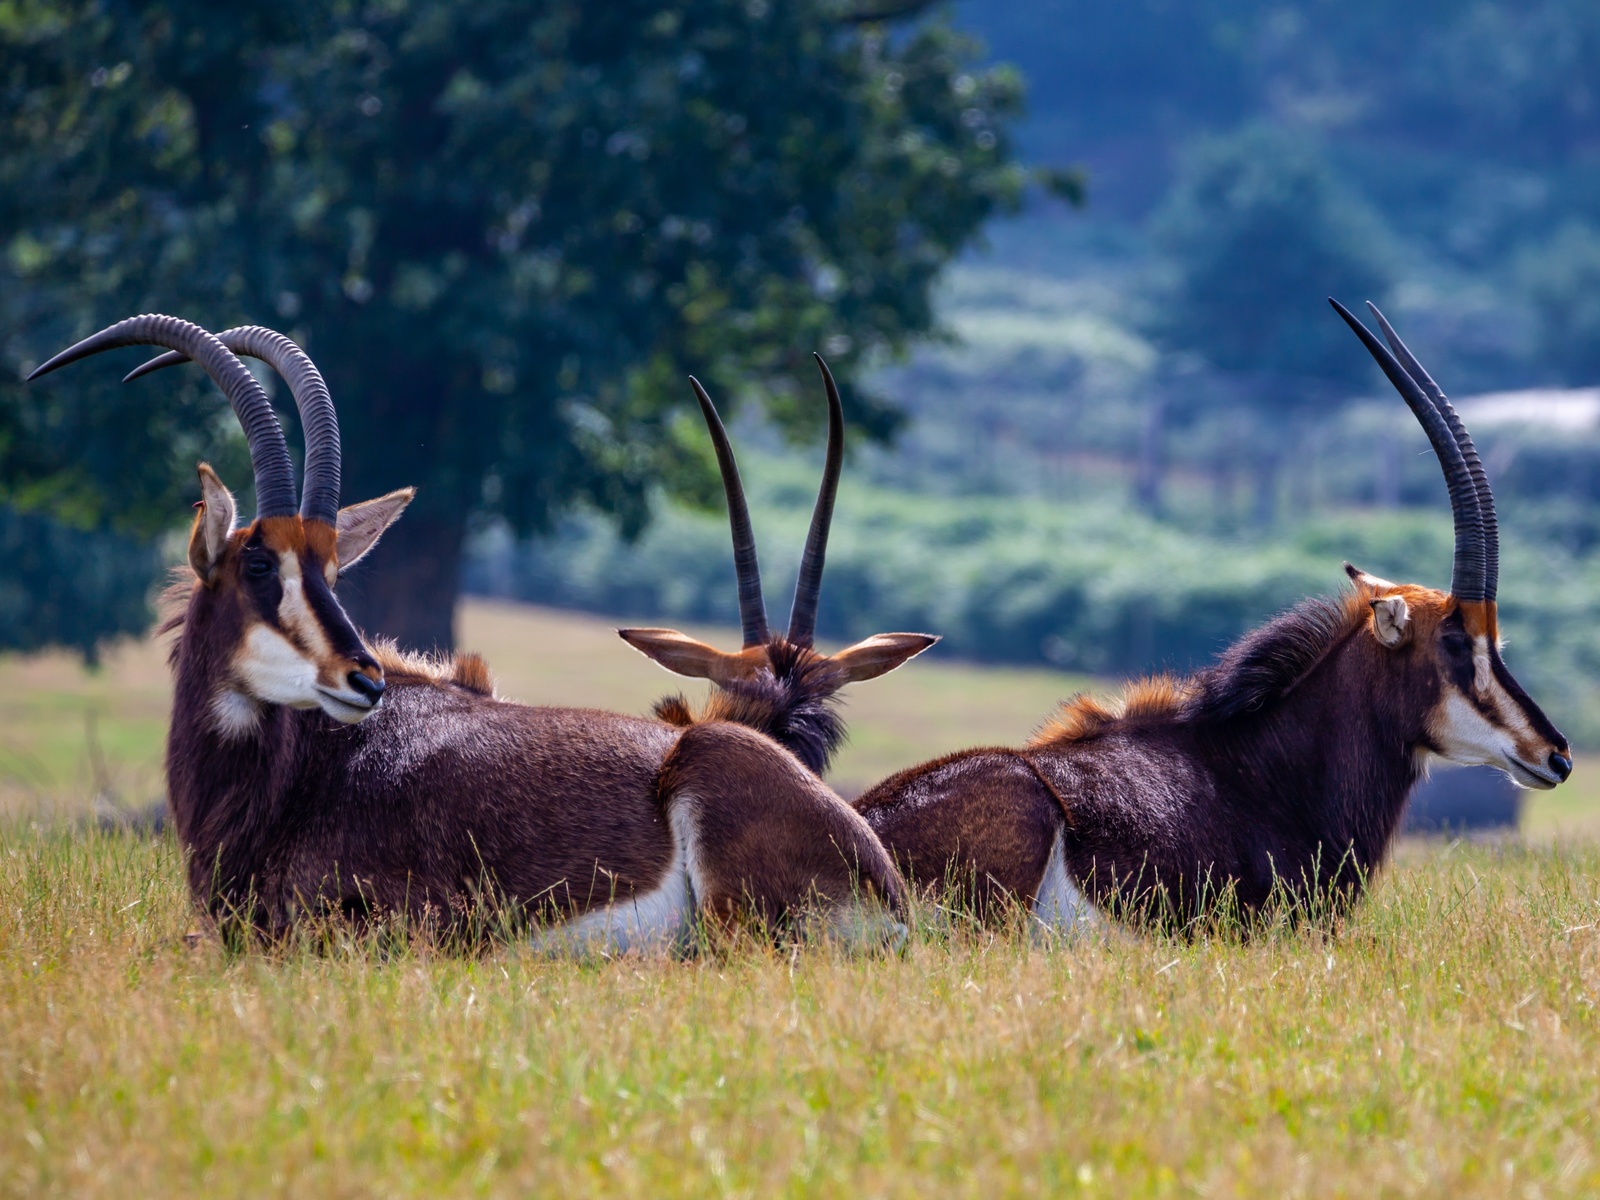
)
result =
(1442, 1042)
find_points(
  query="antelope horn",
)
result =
(752, 612)
(269, 453)
(1467, 575)
(1469, 452)
(319, 423)
(808, 587)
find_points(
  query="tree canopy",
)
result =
(1258, 232)
(505, 231)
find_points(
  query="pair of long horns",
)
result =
(217, 353)
(808, 587)
(1475, 574)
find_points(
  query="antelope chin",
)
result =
(347, 711)
(1528, 776)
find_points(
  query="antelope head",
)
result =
(263, 593)
(1481, 716)
(783, 657)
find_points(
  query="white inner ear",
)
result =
(220, 517)
(1391, 620)
(361, 525)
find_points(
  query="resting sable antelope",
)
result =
(778, 683)
(310, 772)
(1289, 760)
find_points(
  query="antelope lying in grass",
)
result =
(778, 683)
(309, 772)
(1286, 763)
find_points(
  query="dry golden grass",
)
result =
(1443, 1043)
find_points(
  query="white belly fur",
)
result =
(1059, 906)
(655, 922)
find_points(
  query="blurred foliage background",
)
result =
(1109, 437)
(505, 231)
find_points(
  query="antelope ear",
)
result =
(682, 655)
(1371, 582)
(213, 524)
(1391, 620)
(880, 654)
(361, 525)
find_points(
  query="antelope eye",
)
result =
(259, 566)
(1457, 643)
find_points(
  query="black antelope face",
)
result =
(1482, 716)
(294, 646)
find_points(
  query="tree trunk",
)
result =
(406, 589)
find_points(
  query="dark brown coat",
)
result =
(1287, 764)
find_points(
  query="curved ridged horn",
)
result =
(808, 586)
(269, 453)
(1469, 452)
(752, 612)
(319, 424)
(1467, 572)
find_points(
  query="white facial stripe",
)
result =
(294, 610)
(272, 669)
(1482, 671)
(1508, 711)
(1465, 736)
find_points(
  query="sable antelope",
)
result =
(1286, 762)
(777, 683)
(309, 771)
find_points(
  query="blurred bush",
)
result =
(1257, 230)
(1091, 586)
(61, 586)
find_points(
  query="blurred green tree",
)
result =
(1257, 232)
(1562, 277)
(505, 231)
(61, 586)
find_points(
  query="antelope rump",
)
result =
(310, 772)
(1284, 766)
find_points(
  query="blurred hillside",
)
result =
(1146, 431)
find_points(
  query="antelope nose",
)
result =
(1560, 764)
(372, 688)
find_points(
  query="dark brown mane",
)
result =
(793, 704)
(172, 606)
(1262, 667)
(1265, 665)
